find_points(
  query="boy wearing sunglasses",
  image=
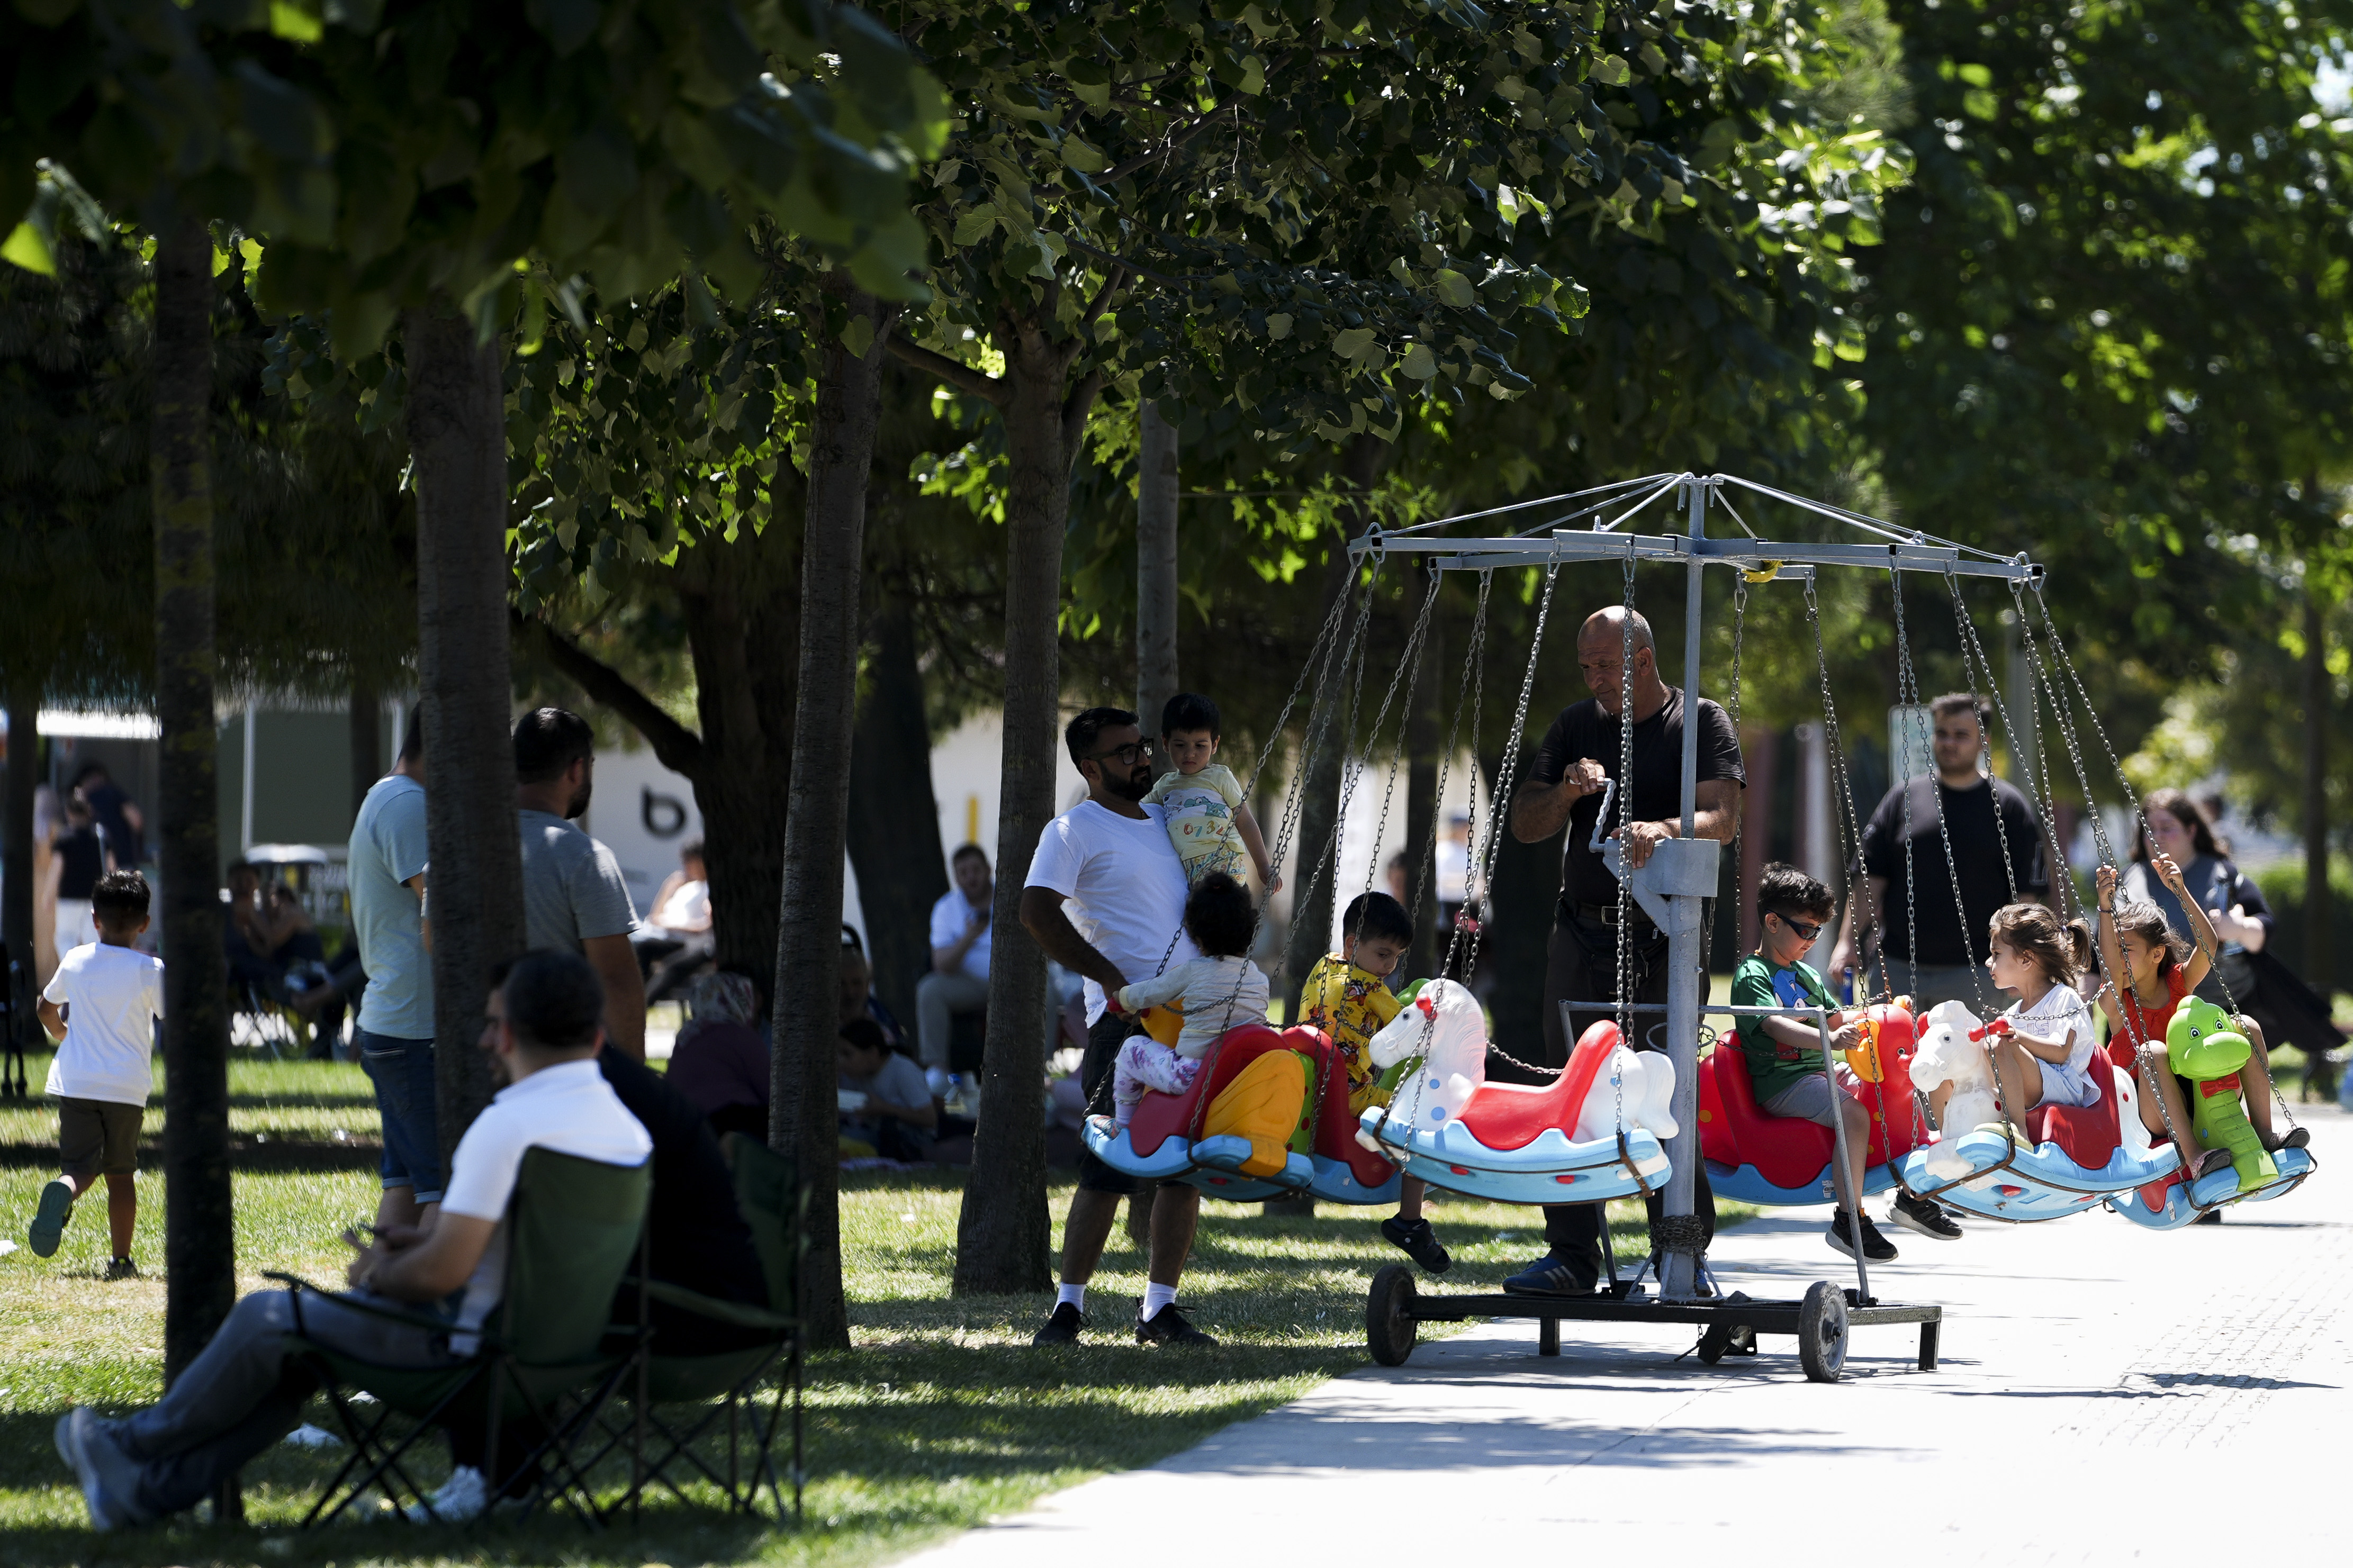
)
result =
(1785, 1054)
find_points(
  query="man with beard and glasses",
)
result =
(575, 898)
(1105, 895)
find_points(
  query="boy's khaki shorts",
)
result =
(98, 1137)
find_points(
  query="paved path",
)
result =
(2105, 1392)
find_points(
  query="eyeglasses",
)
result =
(1128, 755)
(1807, 929)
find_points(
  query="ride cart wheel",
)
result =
(1822, 1331)
(1389, 1323)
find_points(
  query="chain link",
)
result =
(1911, 676)
(1969, 674)
(1415, 645)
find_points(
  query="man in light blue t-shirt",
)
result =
(395, 1034)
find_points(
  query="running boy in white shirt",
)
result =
(104, 1000)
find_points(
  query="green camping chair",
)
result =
(727, 1385)
(547, 1358)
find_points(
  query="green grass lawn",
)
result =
(940, 1417)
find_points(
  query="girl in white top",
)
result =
(2046, 1059)
(1218, 991)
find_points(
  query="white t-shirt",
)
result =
(112, 996)
(2062, 1009)
(568, 1108)
(949, 916)
(1124, 885)
(688, 906)
(1214, 995)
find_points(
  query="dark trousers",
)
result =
(1581, 965)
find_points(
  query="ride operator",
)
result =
(1579, 756)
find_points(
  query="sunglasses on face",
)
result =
(1128, 755)
(1807, 930)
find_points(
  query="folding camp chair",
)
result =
(545, 1365)
(769, 1193)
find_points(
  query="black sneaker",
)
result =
(1551, 1275)
(1417, 1241)
(2297, 1138)
(1923, 1216)
(1876, 1248)
(1169, 1327)
(1062, 1326)
(2211, 1217)
(122, 1269)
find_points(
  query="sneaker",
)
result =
(2211, 1217)
(48, 1226)
(2211, 1161)
(1876, 1248)
(1169, 1327)
(1923, 1214)
(1062, 1326)
(2297, 1138)
(107, 1477)
(1552, 1275)
(1416, 1241)
(463, 1496)
(122, 1269)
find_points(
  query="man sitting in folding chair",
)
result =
(245, 1393)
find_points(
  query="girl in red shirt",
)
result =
(2160, 971)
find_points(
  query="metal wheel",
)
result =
(1822, 1331)
(1389, 1324)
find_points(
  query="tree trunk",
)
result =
(457, 431)
(2320, 941)
(1001, 1231)
(1525, 885)
(20, 968)
(801, 1118)
(894, 844)
(367, 742)
(199, 1228)
(1155, 571)
(1425, 738)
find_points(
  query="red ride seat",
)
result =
(2088, 1135)
(1158, 1117)
(1507, 1116)
(1734, 1130)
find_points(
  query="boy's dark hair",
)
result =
(554, 1000)
(412, 739)
(1219, 916)
(547, 741)
(974, 850)
(119, 898)
(1785, 891)
(1377, 917)
(866, 1034)
(690, 850)
(1079, 736)
(88, 770)
(1189, 711)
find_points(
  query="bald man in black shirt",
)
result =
(1579, 756)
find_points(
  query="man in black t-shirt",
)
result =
(1952, 943)
(1579, 753)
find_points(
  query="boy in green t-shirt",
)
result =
(1785, 1054)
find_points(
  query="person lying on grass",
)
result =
(242, 1394)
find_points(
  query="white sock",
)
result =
(1073, 1296)
(1156, 1296)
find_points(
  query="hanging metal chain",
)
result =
(1625, 823)
(1943, 827)
(2140, 816)
(1472, 675)
(1740, 825)
(1499, 812)
(1899, 752)
(1972, 659)
(1415, 645)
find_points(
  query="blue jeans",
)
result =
(401, 1072)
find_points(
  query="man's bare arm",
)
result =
(616, 963)
(1540, 810)
(1042, 917)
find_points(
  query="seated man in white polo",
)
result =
(239, 1397)
(958, 981)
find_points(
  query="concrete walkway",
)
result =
(2105, 1393)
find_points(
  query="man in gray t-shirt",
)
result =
(574, 896)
